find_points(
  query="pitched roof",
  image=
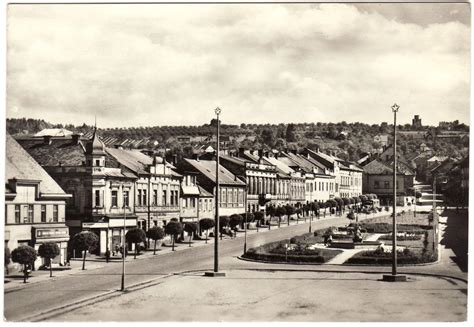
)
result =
(208, 169)
(20, 165)
(376, 167)
(61, 152)
(203, 193)
(135, 160)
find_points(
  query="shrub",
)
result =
(136, 236)
(293, 240)
(258, 216)
(85, 241)
(155, 233)
(173, 228)
(235, 220)
(24, 255)
(206, 224)
(190, 228)
(49, 251)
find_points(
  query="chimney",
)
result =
(294, 151)
(265, 154)
(277, 154)
(75, 138)
(241, 152)
(260, 153)
(47, 139)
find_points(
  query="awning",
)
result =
(190, 190)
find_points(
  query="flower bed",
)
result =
(402, 237)
(299, 253)
(379, 257)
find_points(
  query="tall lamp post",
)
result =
(216, 272)
(394, 277)
(245, 224)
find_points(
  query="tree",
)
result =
(270, 212)
(173, 228)
(24, 255)
(223, 222)
(136, 236)
(258, 217)
(155, 233)
(83, 242)
(235, 220)
(298, 213)
(190, 228)
(49, 251)
(290, 133)
(268, 137)
(315, 208)
(206, 224)
(289, 211)
(280, 212)
(7, 258)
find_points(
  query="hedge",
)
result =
(362, 259)
(281, 257)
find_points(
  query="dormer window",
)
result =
(97, 162)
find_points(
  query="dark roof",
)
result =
(376, 167)
(61, 152)
(21, 166)
(208, 169)
(135, 160)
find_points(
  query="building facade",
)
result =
(35, 205)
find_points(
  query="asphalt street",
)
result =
(40, 297)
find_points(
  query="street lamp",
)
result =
(245, 224)
(394, 277)
(216, 272)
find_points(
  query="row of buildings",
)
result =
(58, 186)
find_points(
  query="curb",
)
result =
(50, 313)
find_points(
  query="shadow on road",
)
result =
(456, 236)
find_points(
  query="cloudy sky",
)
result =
(144, 65)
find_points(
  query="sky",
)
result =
(171, 64)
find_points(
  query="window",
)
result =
(386, 184)
(30, 213)
(97, 162)
(55, 213)
(125, 198)
(164, 198)
(155, 197)
(114, 198)
(43, 213)
(193, 202)
(17, 214)
(139, 197)
(97, 198)
(70, 201)
(172, 198)
(223, 197)
(24, 213)
(376, 184)
(176, 197)
(145, 201)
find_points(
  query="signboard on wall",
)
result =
(59, 232)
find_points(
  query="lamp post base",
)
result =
(214, 274)
(394, 278)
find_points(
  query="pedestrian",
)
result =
(107, 256)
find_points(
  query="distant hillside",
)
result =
(346, 140)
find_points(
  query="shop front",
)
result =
(51, 234)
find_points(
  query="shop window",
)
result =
(55, 213)
(43, 213)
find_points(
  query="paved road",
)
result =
(39, 297)
(57, 292)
